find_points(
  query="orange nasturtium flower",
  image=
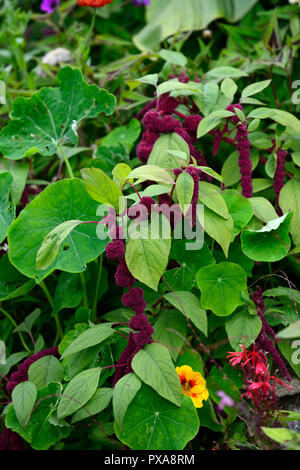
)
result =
(193, 385)
(93, 3)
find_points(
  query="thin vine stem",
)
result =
(95, 303)
(59, 332)
(10, 318)
(66, 160)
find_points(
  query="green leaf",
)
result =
(19, 172)
(278, 115)
(271, 165)
(39, 432)
(45, 370)
(170, 331)
(173, 57)
(255, 88)
(231, 170)
(125, 135)
(207, 124)
(11, 361)
(208, 97)
(239, 208)
(221, 286)
(120, 174)
(211, 197)
(188, 304)
(229, 88)
(184, 190)
(152, 423)
(176, 86)
(123, 393)
(151, 172)
(174, 17)
(59, 202)
(29, 321)
(147, 255)
(292, 331)
(226, 71)
(96, 404)
(78, 392)
(88, 338)
(150, 79)
(260, 184)
(281, 435)
(160, 155)
(290, 350)
(23, 400)
(51, 116)
(211, 172)
(102, 189)
(218, 228)
(242, 328)
(68, 292)
(7, 212)
(270, 243)
(289, 200)
(153, 365)
(263, 209)
(49, 249)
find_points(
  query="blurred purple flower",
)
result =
(225, 400)
(140, 3)
(48, 6)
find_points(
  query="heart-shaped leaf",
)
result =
(60, 202)
(270, 243)
(7, 212)
(153, 423)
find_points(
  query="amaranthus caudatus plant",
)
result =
(157, 258)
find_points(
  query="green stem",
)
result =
(95, 303)
(66, 160)
(59, 332)
(7, 315)
(85, 297)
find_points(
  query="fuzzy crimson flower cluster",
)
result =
(10, 440)
(133, 299)
(158, 118)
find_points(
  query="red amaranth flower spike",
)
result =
(123, 276)
(115, 250)
(21, 374)
(245, 164)
(279, 176)
(134, 300)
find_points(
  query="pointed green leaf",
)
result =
(123, 393)
(153, 365)
(78, 392)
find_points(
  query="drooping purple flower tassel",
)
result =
(263, 341)
(279, 176)
(136, 341)
(21, 375)
(245, 164)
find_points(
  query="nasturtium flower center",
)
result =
(193, 385)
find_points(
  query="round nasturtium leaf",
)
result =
(59, 202)
(271, 243)
(153, 423)
(221, 286)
